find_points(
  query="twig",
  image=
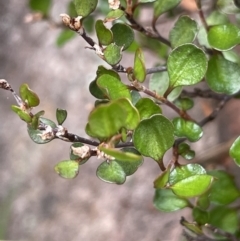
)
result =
(203, 94)
(201, 14)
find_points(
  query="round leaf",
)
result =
(192, 186)
(223, 76)
(61, 116)
(104, 35)
(188, 129)
(112, 54)
(184, 103)
(235, 151)
(28, 96)
(113, 88)
(123, 35)
(223, 191)
(85, 7)
(67, 169)
(162, 180)
(113, 15)
(200, 216)
(224, 36)
(162, 6)
(187, 65)
(146, 108)
(165, 200)
(154, 136)
(111, 172)
(184, 31)
(107, 119)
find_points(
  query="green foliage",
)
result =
(127, 112)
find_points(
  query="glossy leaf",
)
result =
(105, 36)
(187, 65)
(22, 114)
(111, 172)
(188, 155)
(64, 36)
(162, 6)
(184, 103)
(183, 128)
(225, 219)
(223, 76)
(123, 35)
(130, 166)
(147, 107)
(28, 96)
(154, 136)
(85, 7)
(224, 37)
(234, 151)
(61, 116)
(112, 54)
(224, 190)
(139, 69)
(181, 172)
(113, 88)
(107, 119)
(35, 135)
(184, 31)
(192, 186)
(165, 200)
(162, 180)
(76, 157)
(42, 6)
(67, 169)
(124, 156)
(114, 15)
(159, 82)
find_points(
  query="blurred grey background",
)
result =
(35, 203)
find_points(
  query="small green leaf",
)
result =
(192, 186)
(181, 172)
(36, 135)
(187, 65)
(154, 136)
(28, 96)
(165, 200)
(104, 35)
(85, 7)
(77, 157)
(188, 155)
(22, 114)
(203, 201)
(139, 69)
(224, 218)
(216, 18)
(224, 37)
(71, 9)
(112, 54)
(184, 31)
(124, 156)
(64, 36)
(130, 166)
(135, 96)
(223, 191)
(184, 103)
(111, 172)
(123, 35)
(200, 216)
(234, 151)
(67, 169)
(114, 15)
(162, 6)
(61, 116)
(183, 128)
(147, 107)
(182, 148)
(223, 76)
(113, 88)
(42, 6)
(107, 119)
(159, 82)
(162, 180)
(35, 119)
